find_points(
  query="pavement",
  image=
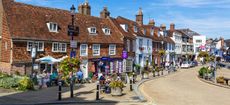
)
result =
(83, 94)
(185, 88)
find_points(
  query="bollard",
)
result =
(71, 88)
(131, 87)
(59, 90)
(97, 93)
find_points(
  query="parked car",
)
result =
(185, 64)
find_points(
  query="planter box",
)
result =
(116, 91)
(145, 76)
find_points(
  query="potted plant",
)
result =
(145, 72)
(153, 69)
(116, 87)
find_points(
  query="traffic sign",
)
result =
(73, 54)
(73, 44)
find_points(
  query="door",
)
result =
(84, 68)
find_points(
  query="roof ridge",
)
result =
(37, 6)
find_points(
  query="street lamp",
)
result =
(71, 31)
(33, 56)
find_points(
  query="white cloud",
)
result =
(194, 3)
(209, 26)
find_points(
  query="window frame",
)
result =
(86, 50)
(110, 48)
(52, 26)
(93, 49)
(59, 47)
(90, 29)
(39, 48)
(106, 31)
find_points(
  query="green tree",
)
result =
(69, 65)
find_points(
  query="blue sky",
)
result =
(207, 17)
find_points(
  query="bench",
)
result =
(226, 80)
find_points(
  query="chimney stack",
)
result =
(163, 27)
(105, 13)
(151, 22)
(139, 17)
(172, 27)
(84, 8)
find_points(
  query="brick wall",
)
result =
(1, 13)
(6, 41)
(5, 67)
(20, 53)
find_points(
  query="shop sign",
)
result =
(124, 54)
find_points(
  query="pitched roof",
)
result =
(131, 24)
(29, 22)
(188, 32)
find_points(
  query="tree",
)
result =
(69, 65)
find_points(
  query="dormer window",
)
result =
(124, 27)
(152, 32)
(135, 29)
(106, 31)
(144, 31)
(52, 26)
(92, 30)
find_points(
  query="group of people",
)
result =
(45, 79)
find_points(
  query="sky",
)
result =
(207, 17)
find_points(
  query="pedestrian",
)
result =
(79, 76)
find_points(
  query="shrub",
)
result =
(203, 70)
(114, 84)
(220, 80)
(26, 84)
(9, 82)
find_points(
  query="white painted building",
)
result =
(143, 50)
(177, 38)
(198, 41)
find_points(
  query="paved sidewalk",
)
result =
(83, 93)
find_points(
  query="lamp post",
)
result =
(162, 56)
(186, 49)
(162, 43)
(33, 56)
(72, 54)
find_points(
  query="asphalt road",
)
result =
(184, 88)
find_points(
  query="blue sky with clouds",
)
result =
(207, 17)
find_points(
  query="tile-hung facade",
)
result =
(25, 25)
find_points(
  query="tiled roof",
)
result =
(131, 24)
(29, 22)
(189, 32)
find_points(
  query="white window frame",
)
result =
(86, 52)
(106, 31)
(39, 48)
(92, 31)
(59, 46)
(152, 32)
(144, 31)
(96, 50)
(52, 26)
(112, 51)
(124, 27)
(135, 28)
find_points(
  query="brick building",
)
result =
(23, 25)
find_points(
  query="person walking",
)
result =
(80, 76)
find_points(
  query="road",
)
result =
(184, 88)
